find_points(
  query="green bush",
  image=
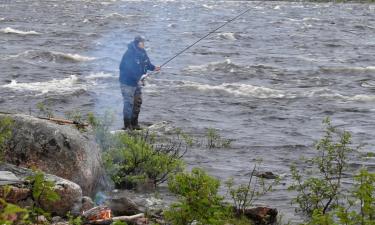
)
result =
(135, 159)
(214, 140)
(359, 208)
(6, 125)
(244, 195)
(41, 189)
(198, 200)
(322, 190)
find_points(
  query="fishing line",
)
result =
(208, 34)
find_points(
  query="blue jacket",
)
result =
(134, 64)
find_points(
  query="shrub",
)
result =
(321, 192)
(244, 195)
(135, 159)
(41, 189)
(45, 109)
(214, 140)
(6, 125)
(359, 208)
(198, 199)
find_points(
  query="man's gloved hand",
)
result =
(157, 68)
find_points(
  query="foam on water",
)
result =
(9, 30)
(226, 65)
(74, 57)
(354, 68)
(228, 36)
(52, 55)
(66, 85)
(208, 6)
(100, 75)
(236, 89)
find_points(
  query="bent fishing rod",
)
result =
(199, 40)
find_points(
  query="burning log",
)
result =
(102, 215)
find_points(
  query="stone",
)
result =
(14, 194)
(69, 192)
(265, 175)
(121, 204)
(128, 202)
(61, 150)
(87, 203)
(262, 215)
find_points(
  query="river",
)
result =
(266, 80)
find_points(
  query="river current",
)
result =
(266, 80)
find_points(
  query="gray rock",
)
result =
(61, 150)
(87, 203)
(127, 202)
(69, 192)
(121, 203)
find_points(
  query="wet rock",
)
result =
(262, 215)
(87, 203)
(61, 150)
(265, 175)
(69, 192)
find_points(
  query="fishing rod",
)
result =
(205, 36)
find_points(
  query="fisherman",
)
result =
(134, 65)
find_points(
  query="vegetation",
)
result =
(45, 109)
(359, 208)
(244, 195)
(5, 133)
(214, 140)
(322, 191)
(137, 158)
(42, 189)
(10, 213)
(200, 203)
(198, 199)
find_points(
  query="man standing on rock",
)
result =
(134, 64)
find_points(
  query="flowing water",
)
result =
(266, 80)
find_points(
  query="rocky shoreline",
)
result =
(71, 160)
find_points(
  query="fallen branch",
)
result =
(128, 219)
(64, 121)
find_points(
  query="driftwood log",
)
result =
(128, 219)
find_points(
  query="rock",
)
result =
(69, 192)
(56, 219)
(265, 175)
(262, 215)
(61, 150)
(127, 202)
(41, 219)
(87, 203)
(14, 194)
(121, 204)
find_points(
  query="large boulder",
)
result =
(19, 191)
(61, 150)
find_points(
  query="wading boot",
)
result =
(134, 123)
(127, 125)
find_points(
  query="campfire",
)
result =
(99, 213)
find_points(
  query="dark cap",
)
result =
(139, 38)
